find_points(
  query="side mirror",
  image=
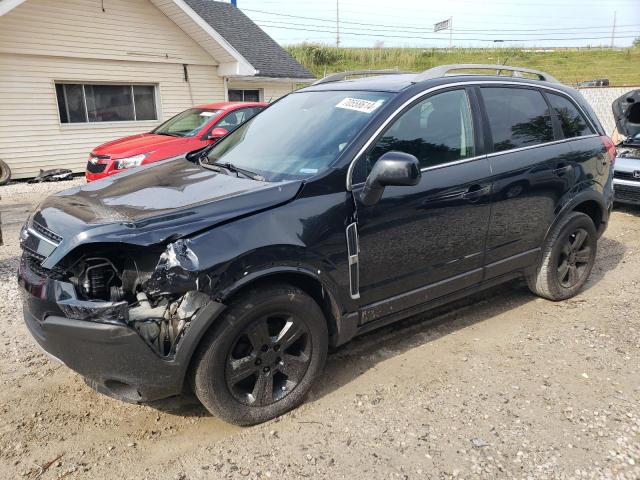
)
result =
(391, 169)
(217, 133)
(194, 156)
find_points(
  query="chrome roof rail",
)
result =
(336, 77)
(442, 70)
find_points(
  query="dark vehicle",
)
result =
(626, 174)
(343, 207)
(599, 82)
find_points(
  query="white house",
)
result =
(77, 73)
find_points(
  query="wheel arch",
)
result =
(594, 210)
(302, 278)
(589, 202)
(308, 281)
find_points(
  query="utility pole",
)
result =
(613, 30)
(450, 33)
(337, 23)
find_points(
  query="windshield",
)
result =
(300, 135)
(187, 123)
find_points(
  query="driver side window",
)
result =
(436, 130)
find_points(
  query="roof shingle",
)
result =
(260, 50)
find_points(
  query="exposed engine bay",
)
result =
(121, 278)
(631, 150)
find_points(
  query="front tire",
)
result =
(261, 358)
(567, 258)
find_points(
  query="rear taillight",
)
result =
(610, 146)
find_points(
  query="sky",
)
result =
(409, 23)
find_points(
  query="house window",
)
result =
(244, 95)
(82, 103)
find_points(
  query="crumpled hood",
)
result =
(154, 203)
(626, 112)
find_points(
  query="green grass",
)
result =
(620, 66)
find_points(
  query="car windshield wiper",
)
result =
(232, 168)
(168, 134)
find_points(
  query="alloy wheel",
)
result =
(574, 258)
(268, 359)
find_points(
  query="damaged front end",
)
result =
(152, 293)
(163, 326)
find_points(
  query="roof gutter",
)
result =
(257, 78)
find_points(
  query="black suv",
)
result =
(342, 207)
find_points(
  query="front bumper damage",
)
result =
(135, 353)
(111, 286)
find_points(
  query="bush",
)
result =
(569, 65)
(315, 54)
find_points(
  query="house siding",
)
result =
(31, 135)
(181, 19)
(132, 30)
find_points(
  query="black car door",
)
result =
(421, 242)
(532, 170)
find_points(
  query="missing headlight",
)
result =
(99, 278)
(114, 286)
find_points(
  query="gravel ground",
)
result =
(504, 385)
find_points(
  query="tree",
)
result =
(636, 42)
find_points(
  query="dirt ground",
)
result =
(504, 385)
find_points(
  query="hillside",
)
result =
(620, 66)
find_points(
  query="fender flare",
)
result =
(253, 276)
(329, 302)
(573, 202)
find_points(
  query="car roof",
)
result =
(384, 83)
(401, 81)
(230, 105)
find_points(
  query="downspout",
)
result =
(185, 73)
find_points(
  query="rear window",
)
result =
(518, 117)
(572, 122)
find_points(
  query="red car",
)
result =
(190, 130)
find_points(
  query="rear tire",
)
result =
(5, 173)
(261, 358)
(567, 258)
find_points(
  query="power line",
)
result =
(412, 12)
(378, 30)
(423, 29)
(436, 38)
(322, 4)
(337, 23)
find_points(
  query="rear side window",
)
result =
(518, 117)
(571, 120)
(436, 130)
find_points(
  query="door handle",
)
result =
(562, 170)
(475, 192)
